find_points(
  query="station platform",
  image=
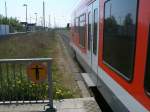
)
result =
(67, 105)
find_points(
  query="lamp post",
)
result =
(5, 9)
(30, 19)
(6, 16)
(35, 18)
(25, 5)
(44, 14)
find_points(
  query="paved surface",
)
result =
(67, 105)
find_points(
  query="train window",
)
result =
(82, 29)
(147, 73)
(95, 31)
(119, 36)
(89, 30)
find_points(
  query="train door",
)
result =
(93, 37)
(89, 34)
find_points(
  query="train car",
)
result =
(111, 40)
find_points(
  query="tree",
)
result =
(111, 25)
(128, 24)
(14, 24)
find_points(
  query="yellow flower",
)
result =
(58, 92)
(19, 82)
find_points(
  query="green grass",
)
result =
(32, 45)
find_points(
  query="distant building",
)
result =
(23, 23)
(31, 27)
(39, 28)
(4, 29)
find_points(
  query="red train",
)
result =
(111, 39)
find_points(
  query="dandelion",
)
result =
(59, 92)
(18, 82)
(33, 84)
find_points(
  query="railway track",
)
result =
(93, 91)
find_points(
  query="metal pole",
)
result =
(26, 15)
(5, 9)
(54, 22)
(35, 18)
(49, 21)
(50, 88)
(41, 20)
(110, 9)
(5, 15)
(30, 19)
(44, 14)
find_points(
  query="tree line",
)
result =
(14, 24)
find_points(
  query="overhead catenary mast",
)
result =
(44, 14)
(49, 21)
(5, 9)
(54, 22)
(35, 18)
(110, 10)
(5, 14)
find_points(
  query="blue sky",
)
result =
(61, 9)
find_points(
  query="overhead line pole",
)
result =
(54, 22)
(49, 21)
(44, 14)
(110, 10)
(26, 15)
(5, 15)
(5, 9)
(35, 18)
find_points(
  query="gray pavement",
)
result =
(67, 105)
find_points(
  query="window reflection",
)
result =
(82, 30)
(89, 30)
(119, 35)
(95, 31)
